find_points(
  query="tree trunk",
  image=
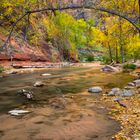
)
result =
(110, 53)
(121, 42)
(139, 15)
(117, 57)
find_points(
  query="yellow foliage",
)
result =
(52, 30)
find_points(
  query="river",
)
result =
(62, 109)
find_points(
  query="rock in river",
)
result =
(137, 83)
(131, 84)
(18, 112)
(114, 92)
(95, 90)
(127, 93)
(26, 93)
(45, 74)
(39, 84)
(109, 68)
(122, 93)
(129, 87)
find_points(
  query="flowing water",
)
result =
(62, 109)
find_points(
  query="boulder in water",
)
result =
(138, 91)
(109, 68)
(137, 83)
(26, 93)
(127, 93)
(119, 92)
(45, 74)
(131, 84)
(18, 112)
(39, 84)
(95, 90)
(129, 87)
(115, 92)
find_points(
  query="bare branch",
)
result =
(11, 31)
(89, 7)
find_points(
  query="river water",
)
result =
(62, 109)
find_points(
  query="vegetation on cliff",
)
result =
(112, 31)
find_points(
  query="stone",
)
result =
(39, 84)
(138, 90)
(131, 84)
(95, 90)
(137, 83)
(45, 74)
(127, 93)
(26, 93)
(109, 68)
(115, 89)
(128, 87)
(115, 92)
(18, 112)
(111, 93)
(118, 99)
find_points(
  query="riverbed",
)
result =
(62, 109)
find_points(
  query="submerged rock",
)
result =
(39, 84)
(18, 112)
(45, 74)
(26, 93)
(95, 90)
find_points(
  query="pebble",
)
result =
(95, 90)
(45, 74)
(39, 84)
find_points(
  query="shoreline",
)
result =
(27, 67)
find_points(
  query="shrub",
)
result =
(1, 69)
(129, 67)
(90, 58)
(106, 60)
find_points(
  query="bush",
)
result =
(1, 69)
(90, 58)
(106, 60)
(129, 67)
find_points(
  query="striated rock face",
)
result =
(23, 57)
(22, 51)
